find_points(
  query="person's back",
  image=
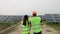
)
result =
(36, 24)
(25, 25)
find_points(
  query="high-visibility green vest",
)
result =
(36, 24)
(25, 29)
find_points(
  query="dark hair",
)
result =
(25, 19)
(34, 14)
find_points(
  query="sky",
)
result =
(22, 7)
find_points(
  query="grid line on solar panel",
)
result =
(1, 18)
(18, 18)
(57, 19)
(9, 19)
(53, 18)
(4, 18)
(56, 15)
(42, 16)
(50, 20)
(12, 18)
(48, 16)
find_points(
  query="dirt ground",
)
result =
(46, 30)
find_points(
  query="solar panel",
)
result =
(52, 17)
(42, 16)
(57, 19)
(48, 16)
(50, 20)
(19, 18)
(9, 19)
(15, 17)
(5, 17)
(56, 15)
(1, 17)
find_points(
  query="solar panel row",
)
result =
(52, 17)
(9, 18)
(42, 17)
(47, 17)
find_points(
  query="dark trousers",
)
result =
(38, 33)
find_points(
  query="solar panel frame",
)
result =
(19, 18)
(42, 16)
(1, 18)
(9, 19)
(57, 19)
(56, 15)
(49, 18)
(4, 18)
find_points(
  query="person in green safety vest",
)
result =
(35, 22)
(25, 25)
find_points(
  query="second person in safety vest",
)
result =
(25, 25)
(35, 23)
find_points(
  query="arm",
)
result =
(41, 22)
(29, 22)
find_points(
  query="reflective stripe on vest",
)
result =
(25, 29)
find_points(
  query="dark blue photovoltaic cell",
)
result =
(42, 16)
(52, 17)
(19, 18)
(50, 20)
(57, 19)
(4, 18)
(1, 17)
(7, 18)
(10, 19)
(48, 16)
(56, 15)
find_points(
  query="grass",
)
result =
(4, 25)
(56, 26)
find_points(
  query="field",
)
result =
(56, 26)
(47, 29)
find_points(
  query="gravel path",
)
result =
(46, 30)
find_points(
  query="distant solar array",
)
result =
(9, 18)
(47, 17)
(52, 17)
(42, 17)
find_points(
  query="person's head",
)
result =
(34, 13)
(25, 19)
